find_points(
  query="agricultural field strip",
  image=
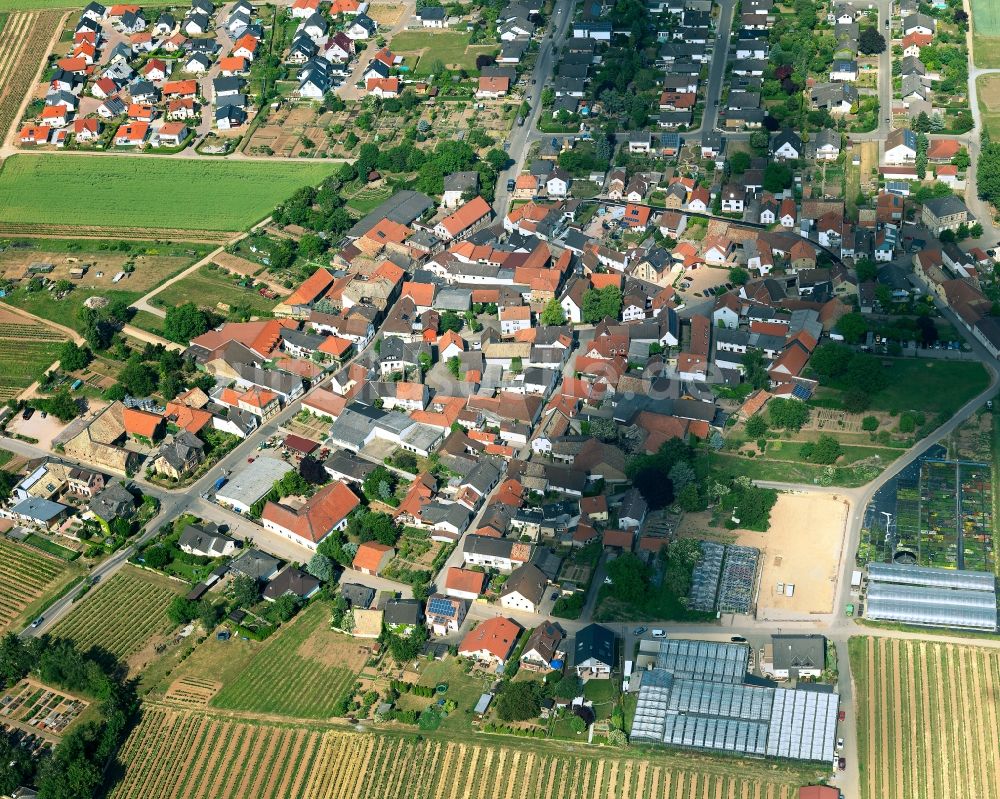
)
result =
(23, 42)
(24, 576)
(97, 622)
(948, 690)
(143, 233)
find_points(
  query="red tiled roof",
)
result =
(190, 419)
(369, 556)
(496, 636)
(324, 511)
(140, 423)
(464, 580)
(466, 216)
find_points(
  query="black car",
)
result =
(738, 639)
(28, 413)
(510, 184)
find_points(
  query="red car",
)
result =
(842, 715)
(841, 763)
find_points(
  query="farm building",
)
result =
(933, 597)
(695, 697)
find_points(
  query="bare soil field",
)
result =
(803, 547)
(386, 14)
(101, 267)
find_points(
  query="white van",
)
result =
(658, 634)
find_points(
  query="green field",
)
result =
(282, 678)
(122, 615)
(31, 5)
(930, 386)
(159, 193)
(987, 94)
(208, 287)
(451, 47)
(986, 33)
(26, 575)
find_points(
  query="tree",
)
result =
(788, 414)
(312, 471)
(605, 430)
(629, 577)
(831, 360)
(286, 606)
(756, 426)
(777, 177)
(739, 275)
(184, 322)
(19, 767)
(497, 159)
(871, 42)
(825, 450)
(601, 303)
(406, 647)
(869, 424)
(682, 475)
(454, 364)
(73, 357)
(156, 557)
(379, 484)
(424, 359)
(244, 591)
(739, 162)
(519, 701)
(181, 610)
(866, 269)
(552, 313)
(321, 567)
(690, 499)
(754, 368)
(450, 321)
(61, 405)
(138, 378)
(852, 327)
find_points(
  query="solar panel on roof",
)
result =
(801, 392)
(441, 607)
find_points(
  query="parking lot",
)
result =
(702, 279)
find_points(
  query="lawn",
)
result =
(463, 689)
(931, 387)
(207, 288)
(148, 193)
(66, 311)
(726, 465)
(451, 47)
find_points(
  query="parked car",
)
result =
(28, 413)
(841, 763)
(638, 631)
(510, 184)
(37, 623)
(842, 715)
(658, 634)
(840, 744)
(738, 639)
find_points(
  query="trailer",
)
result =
(856, 580)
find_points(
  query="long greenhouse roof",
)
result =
(930, 577)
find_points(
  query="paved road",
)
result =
(717, 70)
(521, 135)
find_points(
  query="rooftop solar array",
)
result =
(709, 660)
(803, 724)
(929, 596)
(930, 577)
(441, 607)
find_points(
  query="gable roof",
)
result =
(496, 636)
(369, 555)
(140, 423)
(595, 642)
(464, 580)
(324, 511)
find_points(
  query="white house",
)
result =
(524, 589)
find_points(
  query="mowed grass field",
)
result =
(302, 670)
(986, 33)
(26, 575)
(928, 717)
(147, 193)
(180, 753)
(451, 47)
(123, 614)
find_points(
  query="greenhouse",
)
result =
(930, 577)
(932, 597)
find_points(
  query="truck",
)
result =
(219, 483)
(856, 580)
(849, 610)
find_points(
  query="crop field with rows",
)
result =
(927, 719)
(24, 42)
(25, 575)
(122, 615)
(27, 349)
(323, 664)
(175, 753)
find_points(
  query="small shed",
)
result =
(483, 704)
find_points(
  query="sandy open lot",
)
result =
(803, 547)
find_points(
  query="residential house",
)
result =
(444, 614)
(524, 590)
(594, 652)
(491, 642)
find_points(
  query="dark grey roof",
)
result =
(357, 595)
(597, 643)
(403, 207)
(794, 652)
(403, 611)
(204, 539)
(255, 564)
(291, 581)
(945, 206)
(115, 500)
(528, 581)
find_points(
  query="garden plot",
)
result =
(192, 691)
(27, 350)
(40, 707)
